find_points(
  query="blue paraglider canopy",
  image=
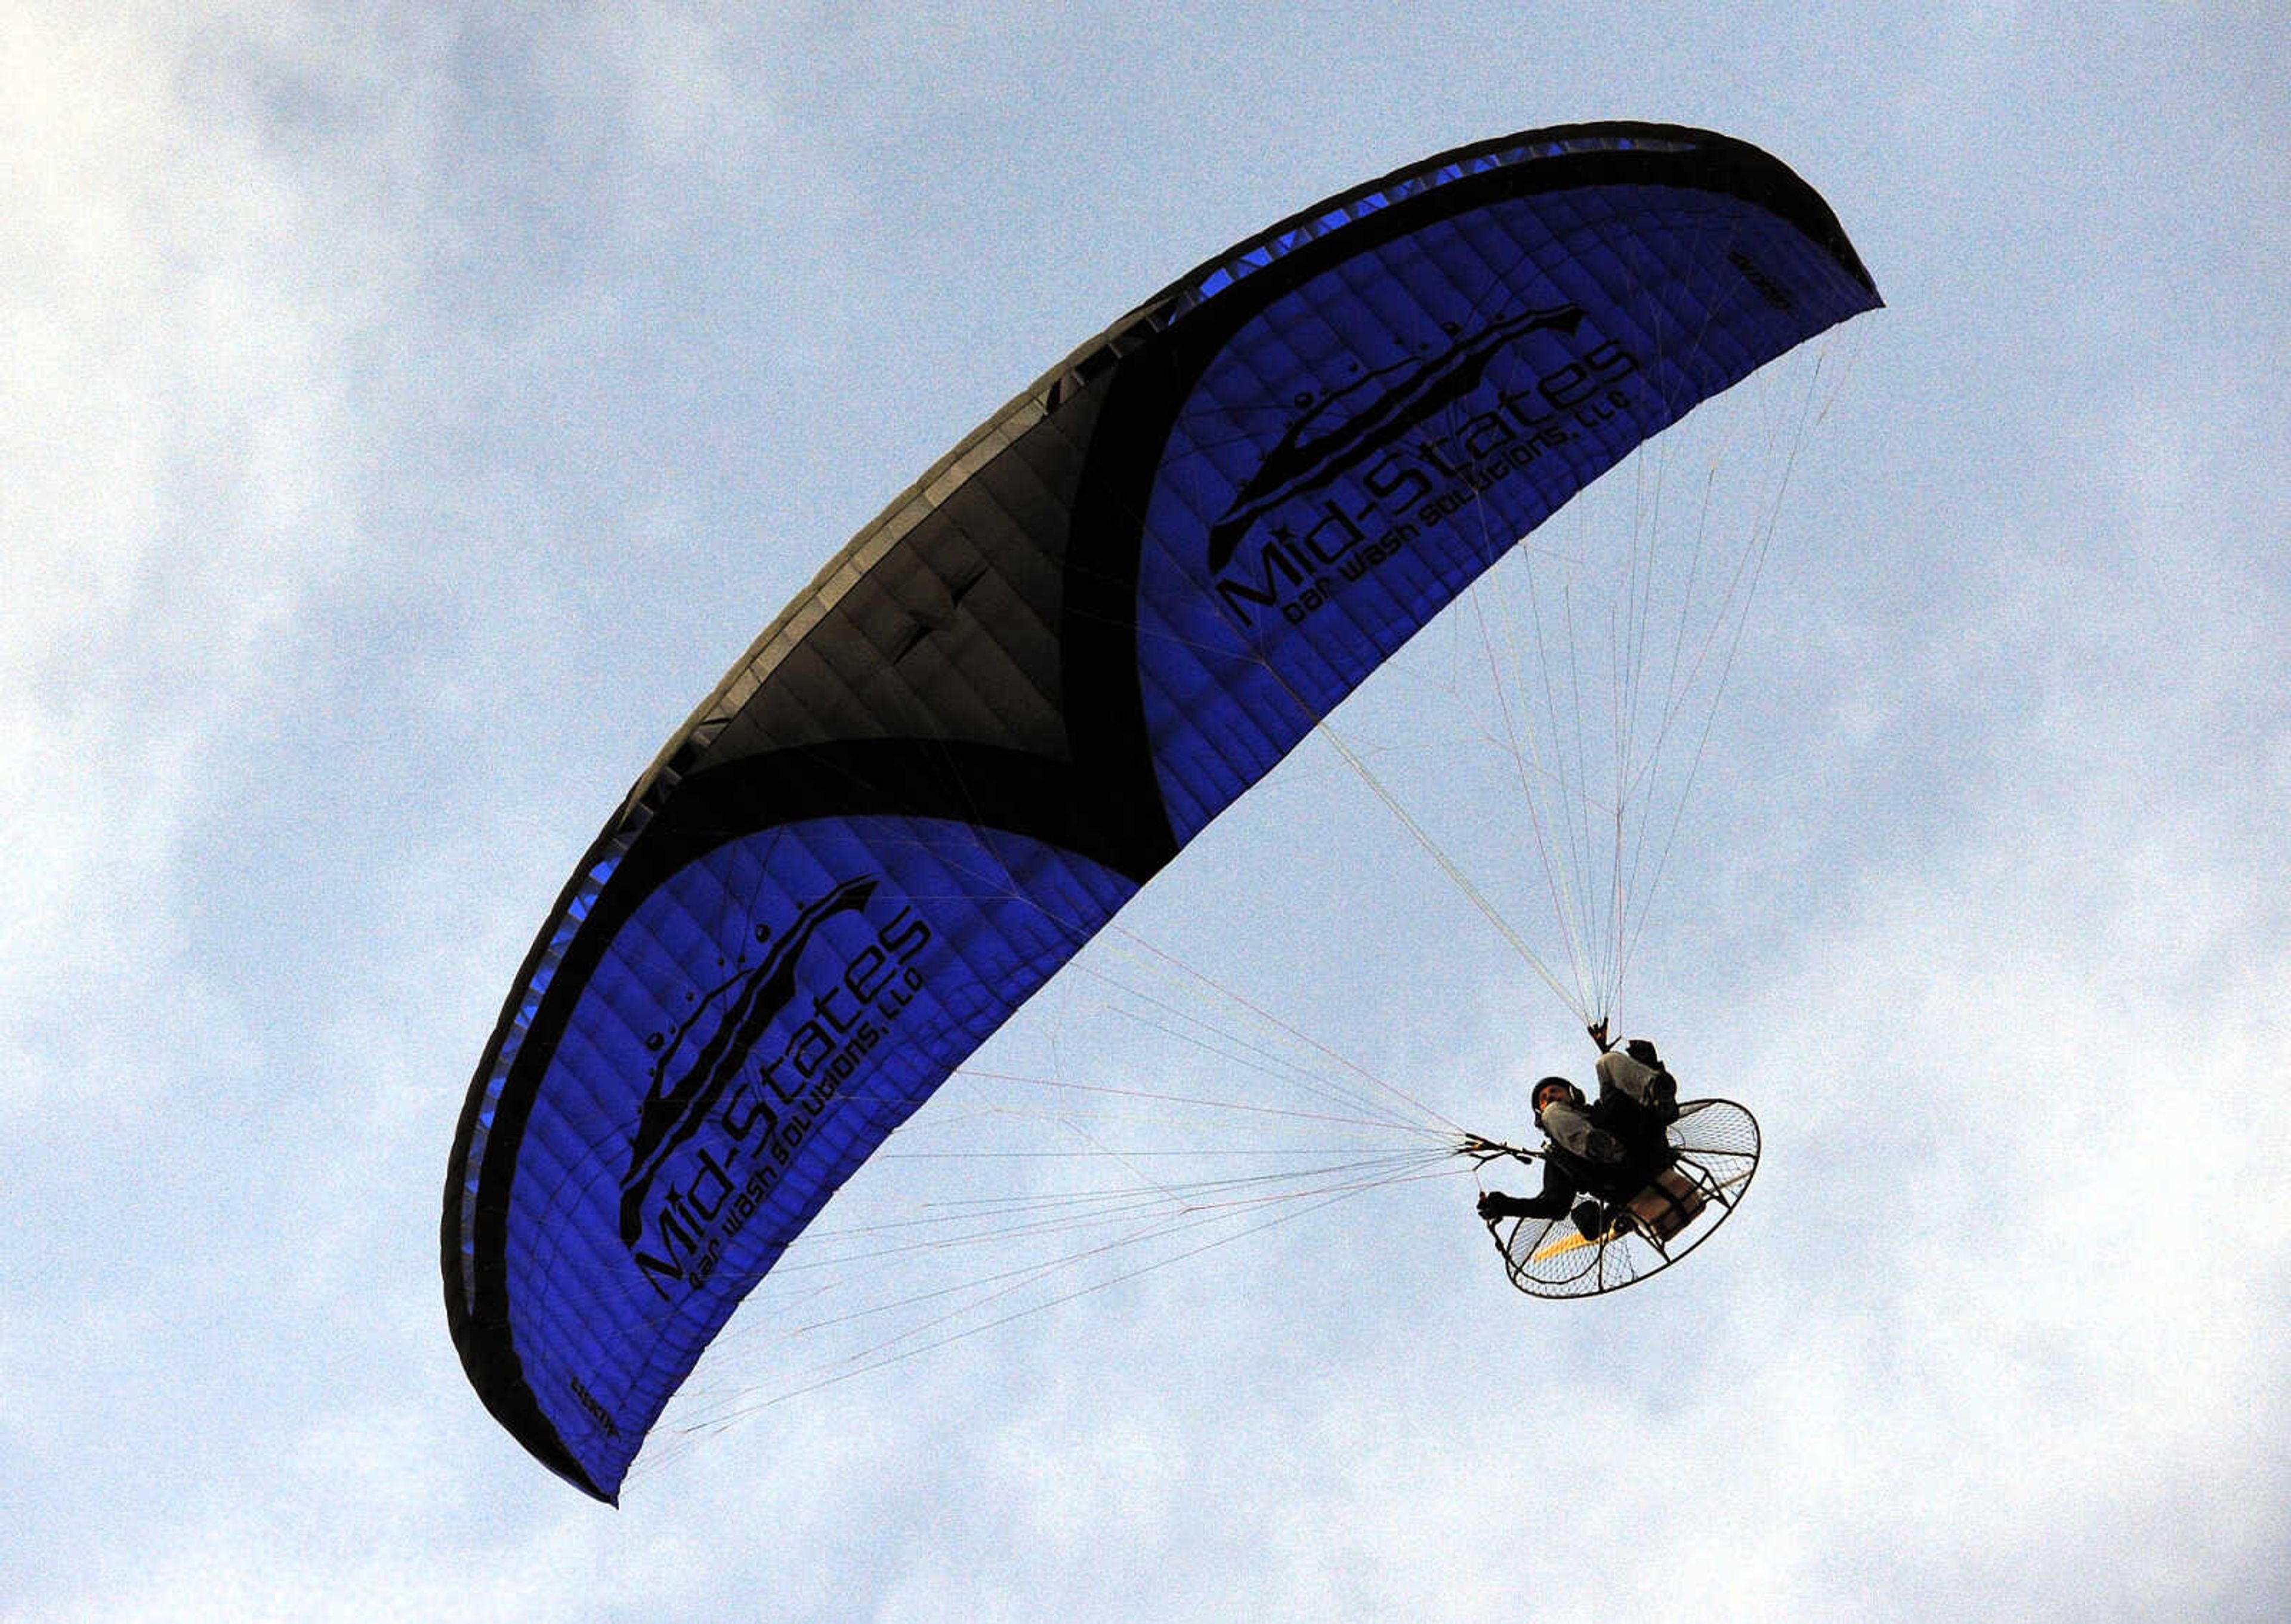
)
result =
(1012, 700)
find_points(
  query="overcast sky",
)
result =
(409, 412)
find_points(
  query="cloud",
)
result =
(176, 434)
(409, 414)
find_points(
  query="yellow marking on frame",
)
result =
(1561, 1247)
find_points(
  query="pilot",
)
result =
(1602, 1153)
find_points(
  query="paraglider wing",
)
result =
(1016, 696)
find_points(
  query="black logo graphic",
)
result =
(1772, 292)
(1313, 455)
(674, 1109)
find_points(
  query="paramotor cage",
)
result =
(1714, 1151)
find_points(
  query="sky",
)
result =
(411, 411)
